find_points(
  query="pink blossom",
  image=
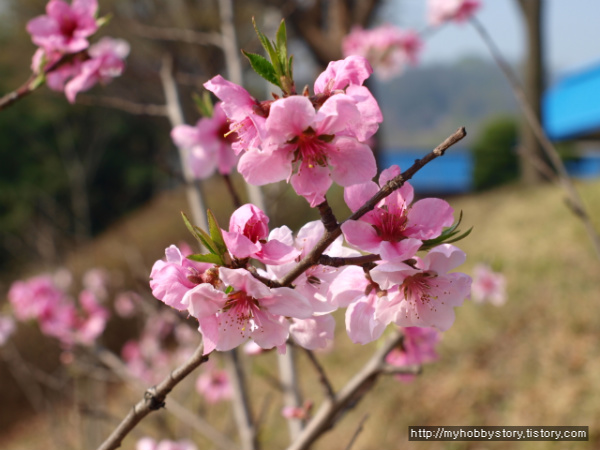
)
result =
(91, 319)
(148, 443)
(31, 298)
(249, 309)
(297, 412)
(170, 280)
(387, 48)
(440, 11)
(64, 28)
(313, 333)
(126, 303)
(251, 348)
(488, 286)
(97, 280)
(106, 62)
(423, 295)
(245, 113)
(297, 133)
(7, 328)
(247, 237)
(394, 229)
(418, 347)
(353, 290)
(313, 283)
(207, 146)
(347, 76)
(214, 385)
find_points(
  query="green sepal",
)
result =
(448, 236)
(215, 233)
(229, 290)
(207, 258)
(263, 67)
(204, 104)
(201, 235)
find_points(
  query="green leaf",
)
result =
(207, 258)
(201, 235)
(215, 233)
(229, 290)
(281, 40)
(204, 104)
(267, 45)
(263, 67)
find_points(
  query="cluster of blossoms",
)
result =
(65, 56)
(45, 299)
(388, 48)
(311, 141)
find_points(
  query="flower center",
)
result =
(241, 309)
(68, 25)
(390, 224)
(312, 149)
(417, 288)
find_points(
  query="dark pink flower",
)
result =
(394, 229)
(65, 28)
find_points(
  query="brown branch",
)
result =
(332, 409)
(154, 399)
(123, 105)
(327, 217)
(329, 392)
(313, 257)
(357, 432)
(339, 261)
(536, 126)
(177, 34)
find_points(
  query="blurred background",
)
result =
(98, 184)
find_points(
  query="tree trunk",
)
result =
(534, 83)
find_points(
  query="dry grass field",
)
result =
(533, 361)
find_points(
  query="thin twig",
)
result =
(183, 414)
(357, 432)
(333, 409)
(288, 376)
(176, 34)
(123, 105)
(154, 399)
(340, 261)
(395, 183)
(232, 192)
(536, 126)
(329, 392)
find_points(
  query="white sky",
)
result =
(572, 32)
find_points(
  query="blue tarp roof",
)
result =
(571, 108)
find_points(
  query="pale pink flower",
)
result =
(388, 48)
(313, 333)
(251, 348)
(7, 328)
(297, 133)
(97, 281)
(353, 290)
(245, 113)
(206, 144)
(418, 347)
(126, 303)
(423, 295)
(313, 283)
(394, 229)
(65, 28)
(148, 443)
(106, 62)
(347, 76)
(214, 385)
(91, 319)
(488, 286)
(170, 280)
(249, 309)
(440, 11)
(297, 412)
(247, 237)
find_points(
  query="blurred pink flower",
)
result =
(418, 347)
(148, 443)
(488, 286)
(207, 146)
(64, 28)
(440, 11)
(214, 385)
(107, 61)
(388, 48)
